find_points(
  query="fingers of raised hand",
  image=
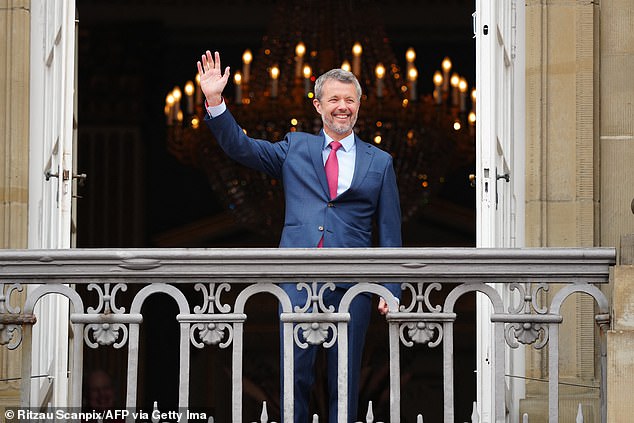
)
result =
(217, 62)
(207, 62)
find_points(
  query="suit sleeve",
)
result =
(388, 218)
(255, 153)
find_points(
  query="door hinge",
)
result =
(506, 177)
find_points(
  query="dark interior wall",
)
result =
(132, 53)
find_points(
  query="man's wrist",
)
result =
(215, 111)
(213, 101)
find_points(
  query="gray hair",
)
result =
(338, 75)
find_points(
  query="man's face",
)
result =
(338, 107)
(100, 391)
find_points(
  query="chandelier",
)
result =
(429, 135)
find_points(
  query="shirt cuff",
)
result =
(215, 111)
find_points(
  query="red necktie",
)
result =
(332, 175)
(332, 169)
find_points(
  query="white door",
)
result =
(499, 33)
(51, 140)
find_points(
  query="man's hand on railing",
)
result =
(383, 307)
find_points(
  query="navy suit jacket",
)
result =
(345, 221)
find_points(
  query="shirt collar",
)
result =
(347, 143)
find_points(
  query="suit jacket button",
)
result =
(330, 205)
(321, 228)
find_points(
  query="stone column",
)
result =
(617, 120)
(617, 194)
(621, 339)
(562, 184)
(14, 157)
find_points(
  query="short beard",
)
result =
(339, 129)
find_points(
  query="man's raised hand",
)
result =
(212, 80)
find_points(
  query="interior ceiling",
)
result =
(415, 20)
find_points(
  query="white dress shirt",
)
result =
(346, 156)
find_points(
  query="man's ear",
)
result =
(317, 105)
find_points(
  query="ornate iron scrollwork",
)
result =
(10, 333)
(106, 333)
(315, 333)
(420, 330)
(527, 332)
(211, 333)
(421, 333)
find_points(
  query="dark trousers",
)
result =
(304, 359)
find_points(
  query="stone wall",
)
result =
(14, 157)
(562, 184)
(621, 347)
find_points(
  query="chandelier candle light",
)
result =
(438, 84)
(412, 75)
(199, 93)
(462, 86)
(189, 94)
(247, 57)
(455, 91)
(308, 72)
(380, 73)
(346, 66)
(446, 68)
(410, 56)
(275, 73)
(299, 59)
(237, 80)
(356, 59)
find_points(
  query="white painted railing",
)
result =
(209, 320)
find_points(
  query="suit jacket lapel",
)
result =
(362, 162)
(315, 149)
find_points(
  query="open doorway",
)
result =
(139, 194)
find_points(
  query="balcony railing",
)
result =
(209, 320)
